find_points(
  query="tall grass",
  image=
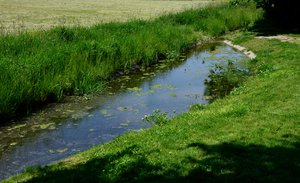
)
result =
(38, 67)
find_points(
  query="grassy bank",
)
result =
(41, 67)
(251, 135)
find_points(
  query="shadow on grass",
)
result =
(230, 162)
(227, 162)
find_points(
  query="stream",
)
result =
(65, 129)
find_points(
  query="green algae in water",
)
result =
(61, 150)
(13, 143)
(149, 74)
(157, 86)
(79, 115)
(134, 89)
(17, 127)
(172, 95)
(145, 93)
(126, 78)
(122, 108)
(44, 126)
(171, 87)
(51, 151)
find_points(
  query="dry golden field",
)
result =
(19, 15)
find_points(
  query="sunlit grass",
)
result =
(40, 67)
(252, 135)
(20, 15)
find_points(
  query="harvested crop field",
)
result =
(20, 15)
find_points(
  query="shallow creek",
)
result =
(64, 129)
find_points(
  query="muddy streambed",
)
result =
(65, 129)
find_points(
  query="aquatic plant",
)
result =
(157, 118)
(222, 79)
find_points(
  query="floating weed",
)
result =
(13, 143)
(51, 151)
(157, 86)
(134, 89)
(145, 93)
(62, 150)
(146, 74)
(149, 74)
(126, 78)
(162, 66)
(79, 115)
(171, 87)
(123, 108)
(172, 95)
(91, 130)
(124, 124)
(17, 127)
(88, 107)
(52, 127)
(44, 126)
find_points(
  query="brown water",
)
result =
(65, 129)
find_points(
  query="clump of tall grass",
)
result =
(218, 20)
(39, 67)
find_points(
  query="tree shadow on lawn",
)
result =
(227, 162)
(267, 27)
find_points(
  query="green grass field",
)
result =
(252, 135)
(20, 15)
(44, 66)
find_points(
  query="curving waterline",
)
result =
(248, 53)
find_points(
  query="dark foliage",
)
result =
(284, 13)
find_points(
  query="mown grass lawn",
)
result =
(252, 135)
